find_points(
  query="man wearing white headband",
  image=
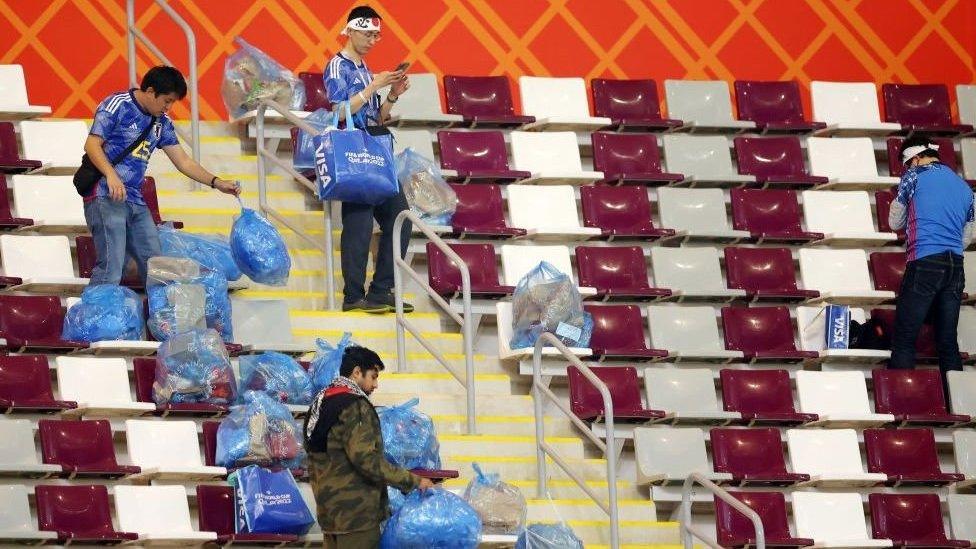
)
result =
(347, 78)
(935, 207)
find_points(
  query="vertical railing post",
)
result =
(130, 39)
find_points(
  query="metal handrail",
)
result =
(464, 320)
(264, 154)
(134, 33)
(688, 531)
(543, 449)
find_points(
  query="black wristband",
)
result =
(212, 186)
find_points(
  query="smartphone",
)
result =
(402, 67)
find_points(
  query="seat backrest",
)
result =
(733, 528)
(842, 157)
(545, 151)
(559, 213)
(478, 95)
(757, 391)
(151, 199)
(747, 451)
(832, 392)
(692, 209)
(969, 271)
(824, 451)
(924, 342)
(906, 517)
(162, 443)
(612, 267)
(215, 509)
(616, 327)
(765, 210)
(13, 86)
(25, 377)
(36, 256)
(922, 104)
(966, 98)
(31, 317)
(417, 140)
(18, 443)
(811, 325)
(962, 391)
(827, 515)
(967, 150)
(685, 328)
(209, 429)
(770, 156)
(15, 514)
(962, 515)
(701, 101)
(517, 261)
(752, 329)
(47, 197)
(901, 451)
(882, 202)
(947, 154)
(60, 143)
(908, 391)
(78, 510)
(479, 206)
(316, 97)
(101, 380)
(760, 268)
(155, 510)
(473, 150)
(689, 269)
(621, 381)
(621, 153)
(624, 208)
(144, 374)
(680, 390)
(445, 277)
(698, 155)
(8, 141)
(834, 270)
(424, 97)
(545, 97)
(845, 103)
(261, 321)
(634, 99)
(77, 443)
(769, 102)
(675, 452)
(887, 270)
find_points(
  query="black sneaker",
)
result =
(363, 306)
(390, 302)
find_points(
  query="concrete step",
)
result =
(167, 178)
(292, 239)
(505, 445)
(454, 404)
(207, 129)
(597, 531)
(443, 383)
(192, 216)
(317, 300)
(502, 425)
(207, 198)
(384, 340)
(567, 489)
(308, 319)
(220, 164)
(514, 467)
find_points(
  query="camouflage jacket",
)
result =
(351, 476)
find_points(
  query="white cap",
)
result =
(911, 152)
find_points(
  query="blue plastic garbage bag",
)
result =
(353, 166)
(328, 359)
(259, 250)
(268, 502)
(180, 292)
(548, 536)
(303, 158)
(251, 76)
(211, 251)
(193, 367)
(409, 438)
(106, 312)
(278, 375)
(501, 506)
(428, 194)
(435, 519)
(396, 498)
(547, 300)
(259, 432)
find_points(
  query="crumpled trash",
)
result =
(500, 505)
(547, 300)
(250, 75)
(409, 438)
(193, 367)
(259, 432)
(106, 312)
(277, 375)
(184, 295)
(427, 193)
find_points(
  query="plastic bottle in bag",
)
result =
(211, 251)
(259, 250)
(409, 438)
(547, 300)
(277, 375)
(426, 191)
(193, 367)
(181, 292)
(500, 505)
(250, 75)
(106, 312)
(434, 518)
(261, 432)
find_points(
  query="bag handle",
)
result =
(350, 126)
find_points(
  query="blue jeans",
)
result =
(120, 230)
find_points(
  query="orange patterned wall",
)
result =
(74, 50)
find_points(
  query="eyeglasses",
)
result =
(371, 35)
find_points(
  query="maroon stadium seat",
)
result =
(445, 278)
(887, 270)
(630, 158)
(10, 160)
(735, 530)
(152, 201)
(907, 456)
(765, 273)
(81, 448)
(761, 396)
(480, 213)
(762, 334)
(617, 273)
(25, 386)
(216, 513)
(947, 154)
(775, 162)
(621, 212)
(7, 220)
(920, 108)
(882, 201)
(925, 351)
(630, 104)
(87, 257)
(78, 514)
(915, 397)
(315, 95)
(618, 333)
(483, 101)
(34, 322)
(771, 215)
(752, 457)
(145, 375)
(628, 405)
(773, 106)
(910, 520)
(477, 157)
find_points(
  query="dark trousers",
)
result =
(931, 288)
(357, 233)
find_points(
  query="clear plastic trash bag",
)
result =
(211, 251)
(409, 438)
(500, 505)
(548, 536)
(106, 312)
(259, 250)
(261, 431)
(181, 292)
(250, 75)
(434, 519)
(193, 367)
(427, 193)
(547, 300)
(328, 359)
(303, 157)
(277, 375)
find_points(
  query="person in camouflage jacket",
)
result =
(345, 453)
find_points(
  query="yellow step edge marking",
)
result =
(231, 211)
(587, 501)
(489, 419)
(292, 293)
(506, 438)
(428, 356)
(200, 229)
(437, 375)
(244, 194)
(374, 334)
(242, 176)
(514, 459)
(352, 314)
(217, 138)
(623, 523)
(557, 483)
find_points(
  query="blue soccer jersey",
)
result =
(343, 80)
(939, 204)
(119, 120)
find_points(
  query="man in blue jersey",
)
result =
(935, 207)
(347, 78)
(117, 216)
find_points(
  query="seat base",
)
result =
(880, 183)
(786, 237)
(850, 543)
(62, 286)
(119, 348)
(426, 120)
(37, 537)
(726, 181)
(644, 124)
(846, 481)
(562, 124)
(852, 421)
(105, 409)
(702, 417)
(561, 178)
(714, 357)
(512, 121)
(23, 112)
(188, 474)
(727, 127)
(875, 129)
(859, 298)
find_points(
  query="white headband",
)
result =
(912, 152)
(364, 24)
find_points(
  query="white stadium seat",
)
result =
(705, 161)
(557, 104)
(43, 263)
(18, 456)
(159, 514)
(14, 104)
(703, 105)
(51, 201)
(686, 395)
(167, 450)
(503, 316)
(265, 325)
(849, 108)
(833, 520)
(519, 260)
(839, 398)
(688, 333)
(962, 392)
(100, 386)
(844, 217)
(966, 96)
(964, 450)
(811, 323)
(841, 277)
(552, 158)
(59, 144)
(16, 525)
(692, 274)
(422, 105)
(967, 148)
(669, 455)
(830, 456)
(848, 163)
(697, 214)
(558, 220)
